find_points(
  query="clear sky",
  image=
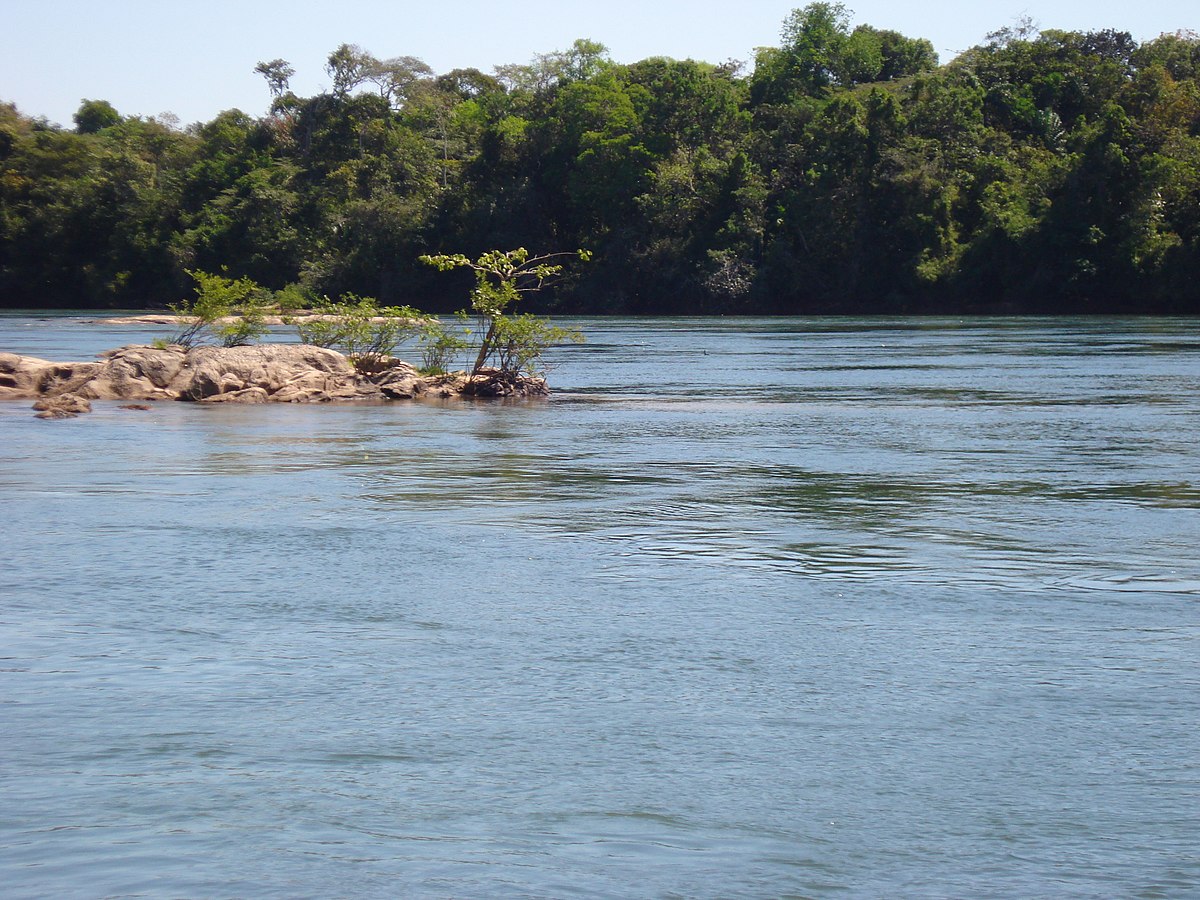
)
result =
(195, 59)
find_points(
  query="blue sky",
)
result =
(197, 59)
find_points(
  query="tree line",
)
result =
(846, 171)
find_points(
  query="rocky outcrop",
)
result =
(289, 373)
(267, 373)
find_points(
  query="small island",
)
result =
(264, 373)
(347, 349)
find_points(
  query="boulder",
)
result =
(400, 381)
(62, 406)
(136, 373)
(296, 369)
(22, 377)
(18, 375)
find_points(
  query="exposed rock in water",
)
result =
(266, 373)
(61, 406)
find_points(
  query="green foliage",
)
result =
(1042, 171)
(228, 309)
(245, 325)
(367, 333)
(95, 115)
(440, 346)
(520, 341)
(815, 37)
(511, 344)
(293, 297)
(277, 72)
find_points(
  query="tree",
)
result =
(815, 37)
(514, 342)
(396, 77)
(904, 56)
(359, 327)
(583, 61)
(349, 66)
(217, 299)
(94, 116)
(1178, 53)
(278, 73)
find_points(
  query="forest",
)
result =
(845, 171)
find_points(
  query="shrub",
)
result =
(439, 346)
(293, 297)
(361, 329)
(218, 297)
(246, 326)
(520, 341)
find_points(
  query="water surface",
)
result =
(751, 607)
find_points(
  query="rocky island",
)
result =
(264, 373)
(232, 312)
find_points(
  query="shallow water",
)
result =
(748, 608)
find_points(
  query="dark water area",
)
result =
(748, 607)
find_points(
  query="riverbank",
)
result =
(270, 373)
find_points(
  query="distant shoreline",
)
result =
(172, 319)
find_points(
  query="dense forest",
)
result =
(845, 171)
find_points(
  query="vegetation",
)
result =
(440, 346)
(507, 347)
(518, 343)
(1041, 171)
(368, 334)
(512, 344)
(228, 309)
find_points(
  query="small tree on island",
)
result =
(230, 309)
(512, 345)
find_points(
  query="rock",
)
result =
(18, 375)
(494, 383)
(143, 319)
(23, 377)
(240, 395)
(136, 373)
(295, 369)
(62, 406)
(158, 365)
(266, 373)
(400, 381)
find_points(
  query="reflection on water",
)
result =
(748, 607)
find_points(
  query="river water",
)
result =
(748, 608)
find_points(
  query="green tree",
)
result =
(814, 38)
(347, 65)
(95, 115)
(514, 344)
(396, 78)
(278, 73)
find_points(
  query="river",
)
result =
(747, 608)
